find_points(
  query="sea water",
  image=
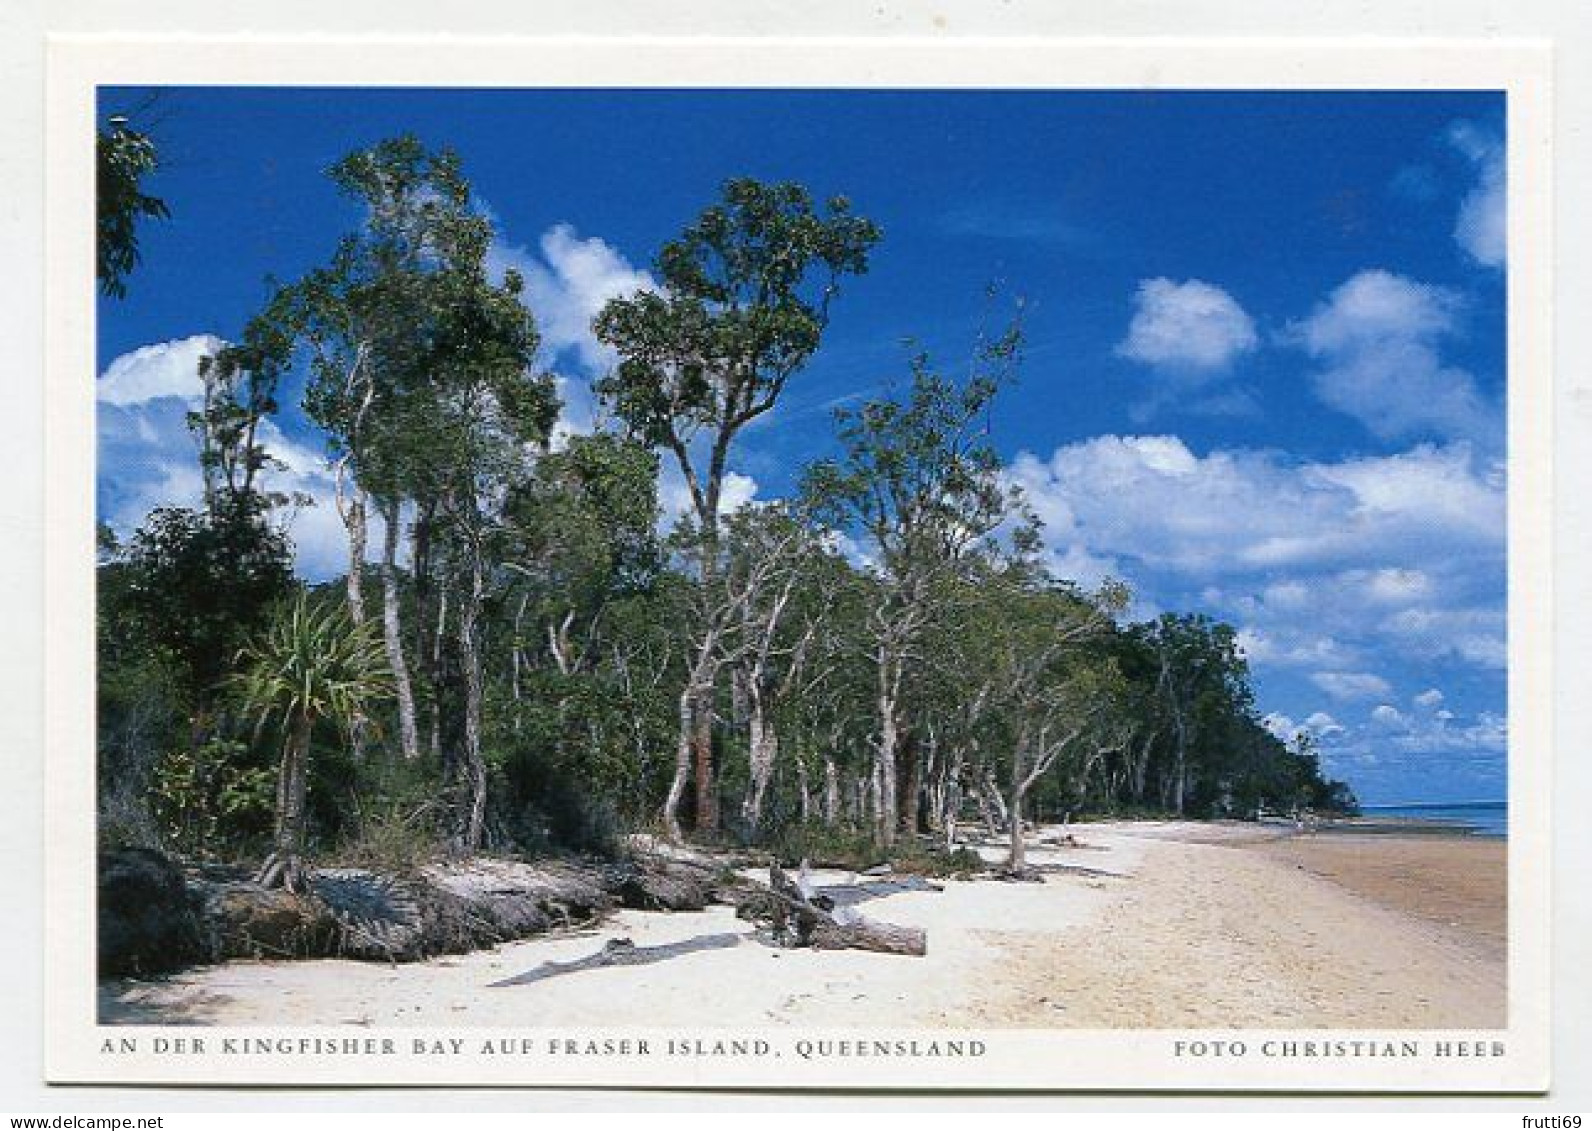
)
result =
(1484, 818)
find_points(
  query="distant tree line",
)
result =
(518, 656)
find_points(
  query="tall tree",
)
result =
(368, 320)
(1053, 699)
(491, 417)
(124, 159)
(742, 305)
(198, 581)
(920, 480)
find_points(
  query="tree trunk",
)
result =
(831, 791)
(804, 790)
(707, 802)
(798, 919)
(472, 804)
(285, 866)
(1017, 853)
(392, 637)
(911, 777)
(951, 798)
(682, 771)
(884, 772)
(763, 745)
(354, 518)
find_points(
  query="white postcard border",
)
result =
(1093, 1060)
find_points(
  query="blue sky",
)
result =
(1265, 365)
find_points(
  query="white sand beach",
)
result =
(1187, 925)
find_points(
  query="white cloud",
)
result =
(1150, 500)
(1326, 566)
(1391, 586)
(165, 369)
(1481, 228)
(1429, 698)
(1191, 328)
(148, 458)
(1348, 686)
(568, 280)
(1476, 634)
(1287, 645)
(1376, 341)
(1324, 725)
(1388, 716)
(1387, 751)
(1283, 728)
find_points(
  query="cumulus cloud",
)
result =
(1348, 686)
(1429, 698)
(1289, 645)
(1388, 716)
(1193, 329)
(1324, 725)
(1476, 635)
(1481, 228)
(1319, 725)
(1376, 343)
(1150, 498)
(568, 280)
(148, 458)
(1282, 728)
(1323, 565)
(164, 369)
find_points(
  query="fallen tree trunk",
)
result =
(154, 916)
(800, 917)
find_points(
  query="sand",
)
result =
(1171, 926)
(1460, 882)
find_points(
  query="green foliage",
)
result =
(886, 654)
(196, 583)
(124, 159)
(745, 297)
(856, 850)
(311, 663)
(215, 800)
(920, 476)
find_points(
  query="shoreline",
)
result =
(1145, 925)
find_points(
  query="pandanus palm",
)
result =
(311, 663)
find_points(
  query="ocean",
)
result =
(1486, 818)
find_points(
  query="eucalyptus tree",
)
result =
(368, 320)
(311, 663)
(491, 418)
(1052, 697)
(827, 708)
(124, 158)
(578, 537)
(921, 482)
(588, 653)
(788, 599)
(742, 303)
(1200, 678)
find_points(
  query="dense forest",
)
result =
(524, 654)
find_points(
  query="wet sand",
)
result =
(1159, 925)
(1460, 882)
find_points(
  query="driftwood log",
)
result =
(801, 917)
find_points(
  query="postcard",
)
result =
(835, 564)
